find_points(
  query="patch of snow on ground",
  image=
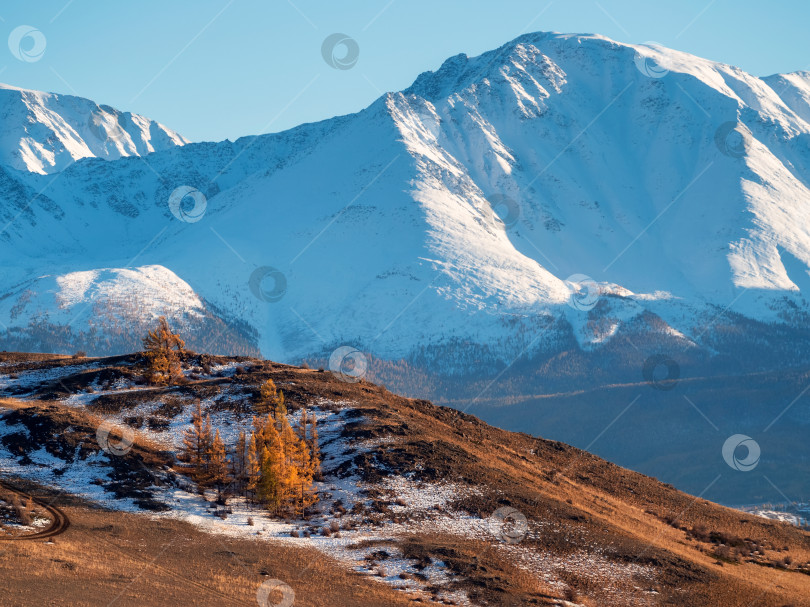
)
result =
(28, 380)
(78, 477)
(355, 537)
(776, 515)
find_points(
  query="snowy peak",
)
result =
(543, 62)
(794, 90)
(534, 54)
(460, 72)
(46, 132)
(91, 297)
(590, 140)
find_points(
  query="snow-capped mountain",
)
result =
(561, 185)
(45, 132)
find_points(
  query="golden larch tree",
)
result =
(254, 465)
(196, 445)
(239, 464)
(218, 465)
(315, 450)
(162, 350)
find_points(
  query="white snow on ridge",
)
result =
(154, 284)
(794, 90)
(46, 132)
(81, 297)
(29, 380)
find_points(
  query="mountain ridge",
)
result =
(46, 132)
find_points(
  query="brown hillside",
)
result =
(597, 534)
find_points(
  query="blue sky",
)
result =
(216, 69)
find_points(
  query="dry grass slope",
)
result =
(592, 520)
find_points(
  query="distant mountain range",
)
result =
(546, 217)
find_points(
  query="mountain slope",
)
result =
(45, 132)
(414, 495)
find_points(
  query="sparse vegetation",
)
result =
(88, 566)
(271, 400)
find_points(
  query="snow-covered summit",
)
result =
(46, 132)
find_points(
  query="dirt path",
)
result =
(59, 520)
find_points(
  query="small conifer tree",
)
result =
(162, 350)
(218, 465)
(197, 445)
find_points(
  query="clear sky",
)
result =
(217, 69)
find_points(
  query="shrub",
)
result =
(22, 511)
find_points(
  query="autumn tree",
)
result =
(253, 469)
(275, 465)
(300, 473)
(162, 350)
(217, 465)
(301, 487)
(239, 464)
(271, 400)
(280, 408)
(303, 423)
(296, 472)
(315, 449)
(197, 445)
(272, 472)
(308, 431)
